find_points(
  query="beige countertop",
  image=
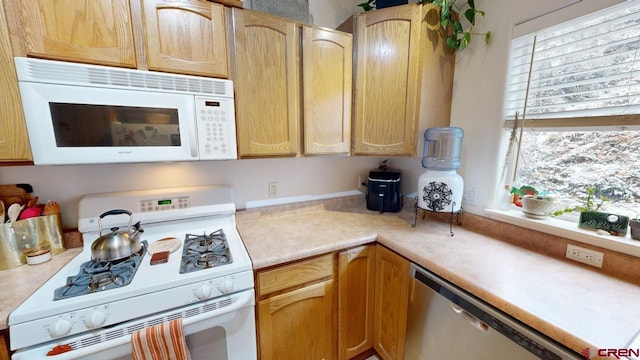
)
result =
(20, 282)
(571, 303)
(578, 306)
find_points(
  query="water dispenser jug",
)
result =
(442, 148)
(440, 187)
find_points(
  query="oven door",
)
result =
(222, 328)
(82, 124)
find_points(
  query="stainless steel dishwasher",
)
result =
(444, 322)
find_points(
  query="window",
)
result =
(573, 102)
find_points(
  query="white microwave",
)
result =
(89, 114)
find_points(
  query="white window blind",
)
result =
(584, 72)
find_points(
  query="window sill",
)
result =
(569, 230)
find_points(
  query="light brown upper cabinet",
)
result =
(267, 83)
(187, 37)
(96, 32)
(327, 64)
(270, 106)
(14, 143)
(178, 36)
(403, 79)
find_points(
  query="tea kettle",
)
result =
(117, 244)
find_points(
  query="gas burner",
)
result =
(95, 276)
(205, 251)
(216, 241)
(208, 260)
(99, 282)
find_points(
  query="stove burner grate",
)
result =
(209, 260)
(96, 276)
(101, 281)
(205, 251)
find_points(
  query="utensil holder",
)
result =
(22, 236)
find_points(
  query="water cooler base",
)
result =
(454, 216)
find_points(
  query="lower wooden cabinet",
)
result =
(335, 306)
(4, 345)
(356, 272)
(298, 324)
(391, 296)
(296, 317)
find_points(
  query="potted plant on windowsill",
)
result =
(534, 204)
(593, 219)
(537, 206)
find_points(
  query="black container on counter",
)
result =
(383, 190)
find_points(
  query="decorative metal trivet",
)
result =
(454, 215)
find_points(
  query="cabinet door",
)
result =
(186, 36)
(267, 82)
(387, 81)
(326, 63)
(4, 342)
(391, 301)
(356, 272)
(298, 324)
(97, 32)
(14, 142)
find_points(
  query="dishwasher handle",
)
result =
(474, 321)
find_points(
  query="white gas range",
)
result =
(98, 324)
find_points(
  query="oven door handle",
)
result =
(242, 300)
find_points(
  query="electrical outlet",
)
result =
(469, 195)
(586, 256)
(274, 189)
(362, 181)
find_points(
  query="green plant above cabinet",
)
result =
(452, 23)
(447, 16)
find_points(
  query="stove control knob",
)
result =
(60, 328)
(95, 320)
(226, 286)
(203, 292)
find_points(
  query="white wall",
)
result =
(249, 178)
(331, 13)
(477, 108)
